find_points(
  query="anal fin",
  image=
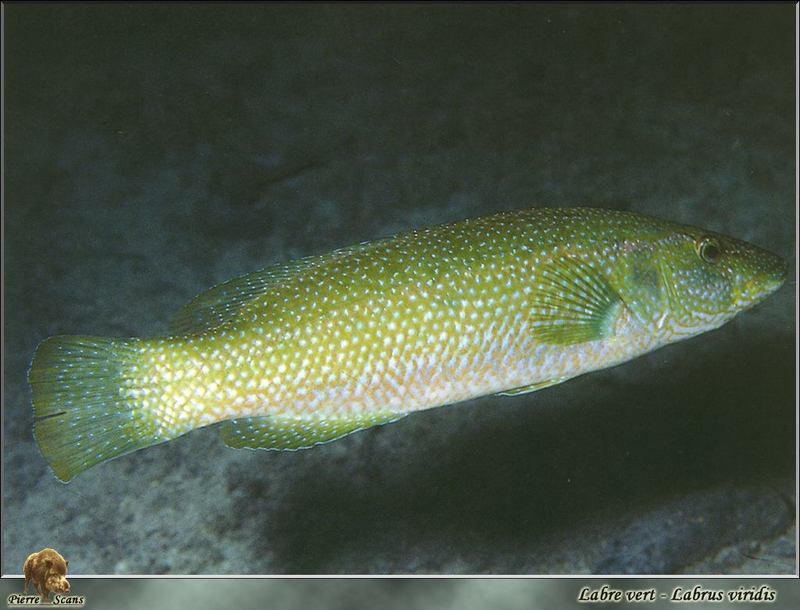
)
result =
(289, 433)
(527, 389)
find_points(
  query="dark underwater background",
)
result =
(152, 151)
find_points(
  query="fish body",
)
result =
(306, 352)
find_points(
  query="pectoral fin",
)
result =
(573, 302)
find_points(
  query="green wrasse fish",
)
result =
(306, 352)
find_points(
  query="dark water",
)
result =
(152, 151)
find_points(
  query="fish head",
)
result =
(707, 278)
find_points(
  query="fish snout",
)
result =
(761, 274)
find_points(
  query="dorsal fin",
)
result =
(221, 303)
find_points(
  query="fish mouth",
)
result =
(770, 279)
(775, 276)
(773, 284)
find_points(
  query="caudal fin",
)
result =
(84, 411)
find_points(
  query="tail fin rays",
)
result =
(84, 412)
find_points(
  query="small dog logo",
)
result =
(47, 570)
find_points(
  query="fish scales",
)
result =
(446, 305)
(306, 352)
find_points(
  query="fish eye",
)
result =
(708, 249)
